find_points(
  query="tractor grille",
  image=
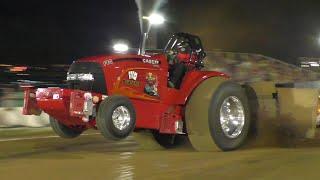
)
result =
(98, 85)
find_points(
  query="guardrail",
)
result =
(12, 117)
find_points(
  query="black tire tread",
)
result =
(62, 130)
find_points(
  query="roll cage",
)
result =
(193, 41)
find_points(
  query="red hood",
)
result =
(102, 58)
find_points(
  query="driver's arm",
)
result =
(171, 56)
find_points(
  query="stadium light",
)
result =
(314, 64)
(120, 47)
(155, 19)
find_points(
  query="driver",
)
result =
(178, 56)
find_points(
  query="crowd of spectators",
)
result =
(244, 67)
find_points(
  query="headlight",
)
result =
(85, 77)
(80, 77)
(71, 77)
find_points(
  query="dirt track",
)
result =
(92, 157)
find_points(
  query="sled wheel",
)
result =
(116, 117)
(62, 130)
(206, 117)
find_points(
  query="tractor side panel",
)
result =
(129, 76)
(137, 80)
(149, 114)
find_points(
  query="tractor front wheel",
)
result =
(116, 117)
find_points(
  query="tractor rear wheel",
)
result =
(62, 130)
(217, 116)
(116, 117)
(229, 116)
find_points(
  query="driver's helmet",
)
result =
(183, 51)
(180, 52)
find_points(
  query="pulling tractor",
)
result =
(167, 93)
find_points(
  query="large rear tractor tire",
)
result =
(62, 130)
(116, 117)
(218, 116)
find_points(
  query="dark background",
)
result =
(52, 32)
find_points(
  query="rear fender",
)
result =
(192, 81)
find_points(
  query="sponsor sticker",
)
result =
(107, 62)
(55, 96)
(151, 61)
(151, 87)
(133, 75)
(132, 79)
(130, 82)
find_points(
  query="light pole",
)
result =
(153, 19)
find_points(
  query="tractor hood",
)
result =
(107, 59)
(98, 73)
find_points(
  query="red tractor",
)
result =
(167, 93)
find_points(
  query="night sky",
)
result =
(61, 31)
(41, 32)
